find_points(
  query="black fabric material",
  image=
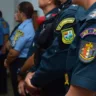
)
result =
(18, 63)
(3, 76)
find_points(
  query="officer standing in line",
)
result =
(20, 42)
(4, 34)
(51, 70)
(83, 81)
(44, 34)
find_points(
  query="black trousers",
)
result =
(18, 63)
(3, 75)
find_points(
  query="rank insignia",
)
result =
(87, 51)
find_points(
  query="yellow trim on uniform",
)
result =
(64, 22)
(66, 79)
(91, 58)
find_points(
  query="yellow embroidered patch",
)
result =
(18, 35)
(64, 22)
(68, 35)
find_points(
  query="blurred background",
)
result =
(8, 8)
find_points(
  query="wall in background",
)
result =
(7, 7)
(35, 4)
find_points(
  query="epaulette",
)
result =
(70, 10)
(73, 7)
(91, 16)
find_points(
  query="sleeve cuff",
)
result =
(34, 83)
(83, 82)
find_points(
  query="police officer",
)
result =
(20, 42)
(44, 34)
(4, 33)
(83, 78)
(50, 74)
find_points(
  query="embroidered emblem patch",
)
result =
(87, 51)
(68, 35)
(4, 24)
(64, 22)
(17, 36)
(89, 31)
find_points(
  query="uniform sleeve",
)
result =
(21, 38)
(47, 73)
(6, 28)
(32, 48)
(52, 67)
(1, 35)
(85, 69)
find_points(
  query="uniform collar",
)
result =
(65, 5)
(88, 11)
(24, 23)
(53, 11)
(91, 8)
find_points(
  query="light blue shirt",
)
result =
(22, 38)
(4, 29)
(5, 26)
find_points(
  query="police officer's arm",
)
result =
(12, 55)
(78, 91)
(19, 45)
(83, 75)
(48, 72)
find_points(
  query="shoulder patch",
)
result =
(4, 24)
(17, 36)
(89, 31)
(87, 52)
(64, 22)
(68, 35)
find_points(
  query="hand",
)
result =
(32, 90)
(5, 63)
(21, 88)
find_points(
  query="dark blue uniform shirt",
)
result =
(53, 62)
(85, 67)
